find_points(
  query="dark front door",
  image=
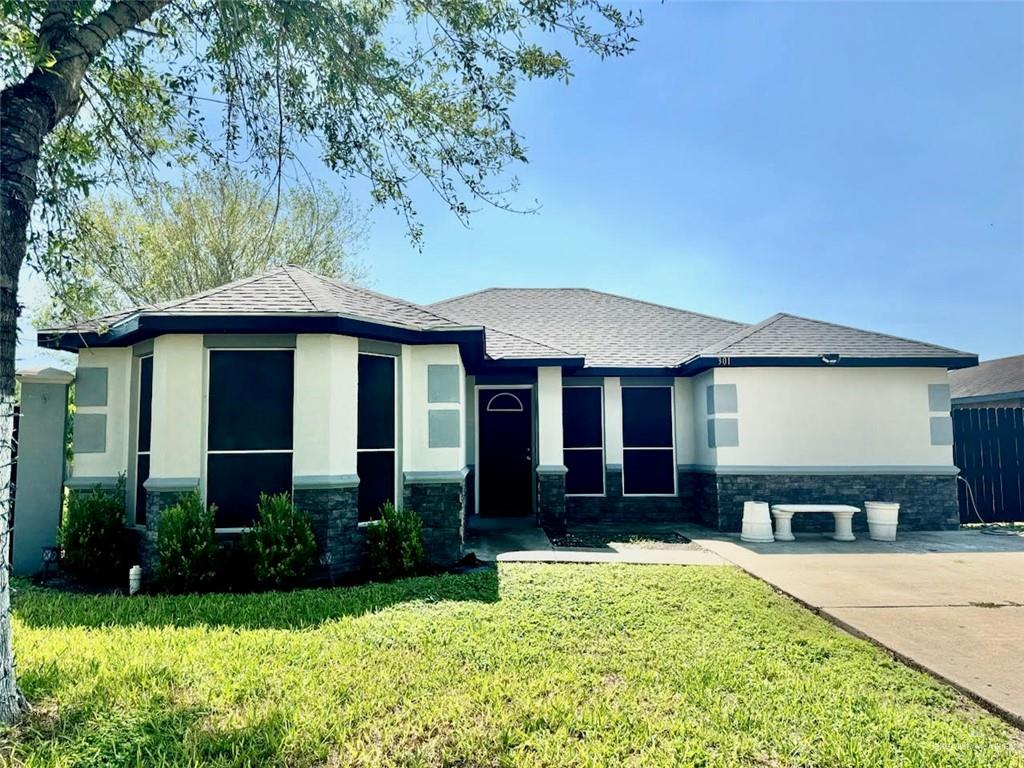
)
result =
(505, 452)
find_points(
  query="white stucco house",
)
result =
(561, 405)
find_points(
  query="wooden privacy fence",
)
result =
(988, 446)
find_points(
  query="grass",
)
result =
(556, 665)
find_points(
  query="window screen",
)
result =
(375, 462)
(648, 461)
(583, 441)
(249, 438)
(251, 400)
(144, 433)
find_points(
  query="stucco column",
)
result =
(40, 468)
(550, 462)
(325, 482)
(433, 451)
(176, 435)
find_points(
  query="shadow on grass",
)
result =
(40, 607)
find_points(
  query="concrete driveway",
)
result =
(951, 603)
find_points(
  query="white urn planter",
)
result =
(757, 522)
(883, 516)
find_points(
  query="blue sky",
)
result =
(855, 162)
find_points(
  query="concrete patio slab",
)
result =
(514, 540)
(636, 556)
(951, 603)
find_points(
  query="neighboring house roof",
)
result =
(576, 327)
(610, 331)
(1003, 376)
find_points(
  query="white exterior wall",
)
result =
(703, 454)
(825, 417)
(613, 421)
(417, 455)
(113, 461)
(549, 417)
(326, 386)
(685, 436)
(179, 407)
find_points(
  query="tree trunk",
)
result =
(29, 110)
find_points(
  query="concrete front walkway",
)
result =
(951, 603)
(510, 541)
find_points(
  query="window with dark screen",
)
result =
(143, 430)
(375, 456)
(648, 456)
(249, 432)
(583, 440)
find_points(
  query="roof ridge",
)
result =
(395, 299)
(287, 268)
(597, 293)
(532, 341)
(876, 333)
(214, 291)
(727, 341)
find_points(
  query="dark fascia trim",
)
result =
(504, 364)
(470, 340)
(624, 372)
(705, 362)
(142, 327)
(994, 397)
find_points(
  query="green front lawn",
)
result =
(530, 665)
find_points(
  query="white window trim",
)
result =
(601, 448)
(396, 492)
(672, 414)
(204, 470)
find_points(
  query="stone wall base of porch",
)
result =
(442, 507)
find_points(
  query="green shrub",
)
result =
(280, 546)
(96, 545)
(186, 546)
(394, 544)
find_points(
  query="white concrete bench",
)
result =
(841, 513)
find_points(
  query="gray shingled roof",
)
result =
(784, 335)
(295, 290)
(991, 377)
(610, 331)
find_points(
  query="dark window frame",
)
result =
(393, 450)
(134, 490)
(601, 448)
(672, 448)
(207, 452)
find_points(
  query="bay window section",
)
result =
(648, 455)
(583, 440)
(143, 432)
(376, 435)
(249, 431)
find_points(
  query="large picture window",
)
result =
(648, 457)
(583, 441)
(375, 456)
(143, 433)
(249, 434)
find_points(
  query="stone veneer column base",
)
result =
(551, 502)
(439, 498)
(158, 498)
(927, 502)
(334, 516)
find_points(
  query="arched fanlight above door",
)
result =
(505, 402)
